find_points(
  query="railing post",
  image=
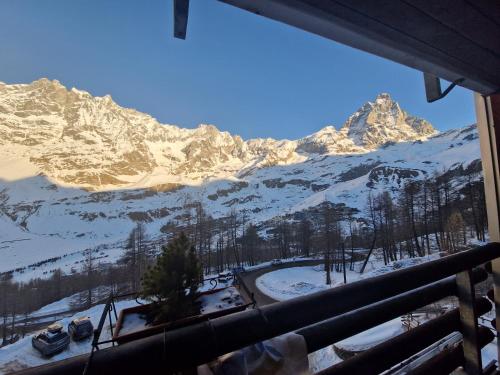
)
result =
(468, 317)
(488, 121)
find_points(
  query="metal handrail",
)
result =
(190, 346)
(373, 361)
(449, 359)
(354, 322)
(214, 281)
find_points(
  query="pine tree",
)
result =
(173, 282)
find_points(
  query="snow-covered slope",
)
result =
(78, 171)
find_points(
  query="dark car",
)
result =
(80, 328)
(224, 277)
(51, 341)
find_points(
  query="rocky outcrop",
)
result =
(382, 121)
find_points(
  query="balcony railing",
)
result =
(325, 318)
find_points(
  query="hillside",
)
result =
(78, 171)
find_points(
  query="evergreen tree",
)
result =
(173, 282)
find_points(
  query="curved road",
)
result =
(249, 278)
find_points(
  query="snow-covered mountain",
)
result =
(79, 171)
(82, 141)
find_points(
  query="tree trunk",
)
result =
(369, 252)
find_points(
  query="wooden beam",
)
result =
(468, 319)
(465, 19)
(181, 11)
(488, 115)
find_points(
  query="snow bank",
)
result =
(293, 282)
(221, 300)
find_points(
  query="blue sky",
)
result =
(246, 74)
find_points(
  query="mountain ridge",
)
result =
(46, 117)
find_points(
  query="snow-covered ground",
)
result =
(21, 354)
(219, 300)
(285, 260)
(223, 299)
(293, 282)
(133, 322)
(67, 263)
(65, 306)
(326, 357)
(61, 305)
(490, 352)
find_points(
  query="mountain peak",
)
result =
(45, 82)
(207, 128)
(382, 121)
(329, 129)
(383, 96)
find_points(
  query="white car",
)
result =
(51, 341)
(276, 262)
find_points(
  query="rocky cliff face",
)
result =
(382, 121)
(92, 142)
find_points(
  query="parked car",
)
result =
(225, 277)
(51, 341)
(276, 262)
(80, 328)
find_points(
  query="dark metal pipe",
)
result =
(200, 343)
(449, 359)
(391, 352)
(181, 12)
(332, 330)
(490, 368)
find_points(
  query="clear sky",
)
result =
(243, 73)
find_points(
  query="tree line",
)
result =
(442, 212)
